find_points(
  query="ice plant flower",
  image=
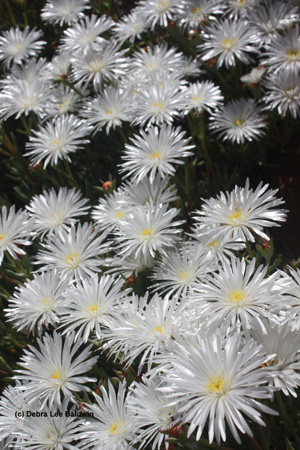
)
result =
(54, 371)
(242, 212)
(147, 231)
(239, 121)
(155, 151)
(15, 228)
(64, 11)
(217, 381)
(75, 252)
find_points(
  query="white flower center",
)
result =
(96, 65)
(163, 6)
(293, 54)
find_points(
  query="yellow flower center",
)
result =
(3, 239)
(239, 122)
(213, 243)
(120, 214)
(196, 10)
(96, 65)
(293, 54)
(185, 275)
(146, 232)
(93, 309)
(155, 155)
(216, 384)
(228, 43)
(28, 102)
(47, 302)
(158, 106)
(56, 375)
(114, 428)
(163, 6)
(73, 259)
(235, 216)
(158, 328)
(237, 296)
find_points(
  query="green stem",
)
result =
(70, 85)
(284, 415)
(122, 134)
(10, 12)
(25, 125)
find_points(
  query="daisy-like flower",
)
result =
(102, 63)
(283, 52)
(159, 11)
(109, 109)
(63, 135)
(155, 151)
(228, 40)
(180, 270)
(268, 18)
(239, 121)
(282, 345)
(53, 429)
(89, 303)
(239, 8)
(217, 380)
(64, 11)
(158, 58)
(54, 370)
(17, 45)
(196, 11)
(143, 328)
(63, 101)
(202, 95)
(83, 35)
(52, 212)
(283, 93)
(59, 67)
(111, 210)
(36, 304)
(242, 212)
(130, 27)
(147, 231)
(237, 294)
(113, 426)
(74, 252)
(22, 96)
(214, 242)
(150, 408)
(15, 228)
(150, 193)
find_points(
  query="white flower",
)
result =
(237, 294)
(159, 11)
(143, 328)
(89, 303)
(37, 304)
(283, 52)
(268, 18)
(109, 109)
(147, 231)
(74, 252)
(217, 380)
(63, 101)
(113, 427)
(179, 270)
(131, 27)
(15, 228)
(196, 11)
(159, 58)
(155, 151)
(83, 35)
(238, 121)
(242, 212)
(239, 8)
(254, 77)
(282, 346)
(64, 11)
(150, 409)
(283, 93)
(202, 95)
(59, 137)
(292, 296)
(22, 96)
(17, 45)
(52, 429)
(111, 210)
(102, 63)
(52, 212)
(228, 40)
(54, 370)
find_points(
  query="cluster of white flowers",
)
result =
(216, 334)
